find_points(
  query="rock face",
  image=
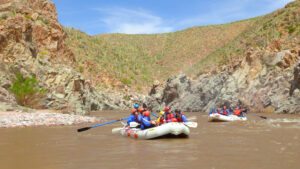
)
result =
(33, 42)
(256, 85)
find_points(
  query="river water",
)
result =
(255, 144)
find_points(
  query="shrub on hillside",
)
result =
(26, 91)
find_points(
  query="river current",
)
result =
(255, 144)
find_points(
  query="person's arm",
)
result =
(146, 122)
(130, 119)
(184, 119)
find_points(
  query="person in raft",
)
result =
(168, 115)
(139, 115)
(225, 111)
(134, 112)
(160, 119)
(213, 111)
(179, 116)
(146, 121)
(219, 111)
(239, 112)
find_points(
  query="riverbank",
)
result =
(42, 118)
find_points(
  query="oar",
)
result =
(87, 128)
(191, 124)
(154, 115)
(263, 117)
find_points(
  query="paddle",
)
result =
(191, 124)
(154, 115)
(263, 117)
(87, 128)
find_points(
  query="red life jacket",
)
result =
(179, 119)
(237, 112)
(168, 116)
(225, 112)
(134, 111)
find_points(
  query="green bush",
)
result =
(125, 81)
(25, 90)
(81, 69)
(28, 17)
(291, 29)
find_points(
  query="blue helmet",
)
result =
(237, 108)
(136, 106)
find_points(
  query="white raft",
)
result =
(220, 117)
(165, 130)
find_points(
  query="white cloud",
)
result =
(234, 10)
(121, 20)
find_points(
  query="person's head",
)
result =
(237, 108)
(213, 108)
(224, 107)
(167, 109)
(136, 106)
(133, 111)
(177, 111)
(218, 109)
(146, 113)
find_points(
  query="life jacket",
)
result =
(138, 117)
(225, 112)
(168, 116)
(179, 119)
(237, 112)
(133, 111)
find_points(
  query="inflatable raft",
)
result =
(164, 130)
(220, 117)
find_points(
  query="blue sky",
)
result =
(156, 16)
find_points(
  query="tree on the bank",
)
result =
(26, 91)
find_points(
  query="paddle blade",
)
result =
(116, 130)
(191, 124)
(83, 129)
(263, 117)
(192, 118)
(133, 124)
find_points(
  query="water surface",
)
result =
(257, 143)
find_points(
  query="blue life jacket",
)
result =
(145, 122)
(131, 119)
(139, 118)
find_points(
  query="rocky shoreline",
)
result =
(44, 118)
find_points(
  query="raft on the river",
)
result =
(222, 118)
(173, 129)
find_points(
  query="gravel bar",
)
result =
(19, 120)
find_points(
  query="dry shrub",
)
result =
(269, 109)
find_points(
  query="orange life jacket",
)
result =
(237, 112)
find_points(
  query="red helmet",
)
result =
(167, 108)
(174, 120)
(141, 110)
(133, 111)
(146, 113)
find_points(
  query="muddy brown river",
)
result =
(255, 144)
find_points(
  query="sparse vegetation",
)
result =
(138, 60)
(28, 17)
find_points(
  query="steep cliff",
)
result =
(33, 42)
(264, 78)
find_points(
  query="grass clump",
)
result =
(26, 91)
(27, 16)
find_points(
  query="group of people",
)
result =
(224, 111)
(142, 116)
